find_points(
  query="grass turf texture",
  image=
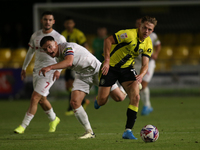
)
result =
(177, 119)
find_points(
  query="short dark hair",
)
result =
(47, 13)
(45, 39)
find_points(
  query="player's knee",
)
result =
(120, 98)
(35, 99)
(137, 98)
(75, 103)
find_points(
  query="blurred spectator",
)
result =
(97, 44)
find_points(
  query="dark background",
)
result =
(15, 12)
(17, 18)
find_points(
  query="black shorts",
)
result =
(114, 74)
(69, 75)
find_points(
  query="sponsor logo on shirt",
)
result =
(123, 36)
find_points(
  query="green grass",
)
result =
(177, 119)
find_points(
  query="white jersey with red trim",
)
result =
(84, 63)
(41, 58)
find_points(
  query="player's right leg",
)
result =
(132, 88)
(80, 114)
(69, 79)
(35, 98)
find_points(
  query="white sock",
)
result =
(145, 97)
(51, 114)
(27, 119)
(82, 117)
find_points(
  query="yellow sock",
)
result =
(134, 108)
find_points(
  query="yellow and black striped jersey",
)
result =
(76, 36)
(128, 47)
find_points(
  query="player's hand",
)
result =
(105, 68)
(56, 75)
(139, 78)
(44, 70)
(23, 74)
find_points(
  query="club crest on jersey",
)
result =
(123, 36)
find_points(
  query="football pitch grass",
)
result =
(177, 119)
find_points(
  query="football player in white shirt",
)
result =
(41, 84)
(145, 92)
(86, 66)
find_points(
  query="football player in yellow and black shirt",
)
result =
(73, 34)
(120, 50)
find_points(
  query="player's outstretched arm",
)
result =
(44, 70)
(107, 46)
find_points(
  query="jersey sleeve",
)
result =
(81, 38)
(148, 49)
(67, 51)
(28, 58)
(31, 42)
(121, 36)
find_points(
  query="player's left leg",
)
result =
(132, 89)
(48, 109)
(80, 114)
(117, 92)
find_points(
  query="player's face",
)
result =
(69, 24)
(47, 22)
(146, 29)
(50, 47)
